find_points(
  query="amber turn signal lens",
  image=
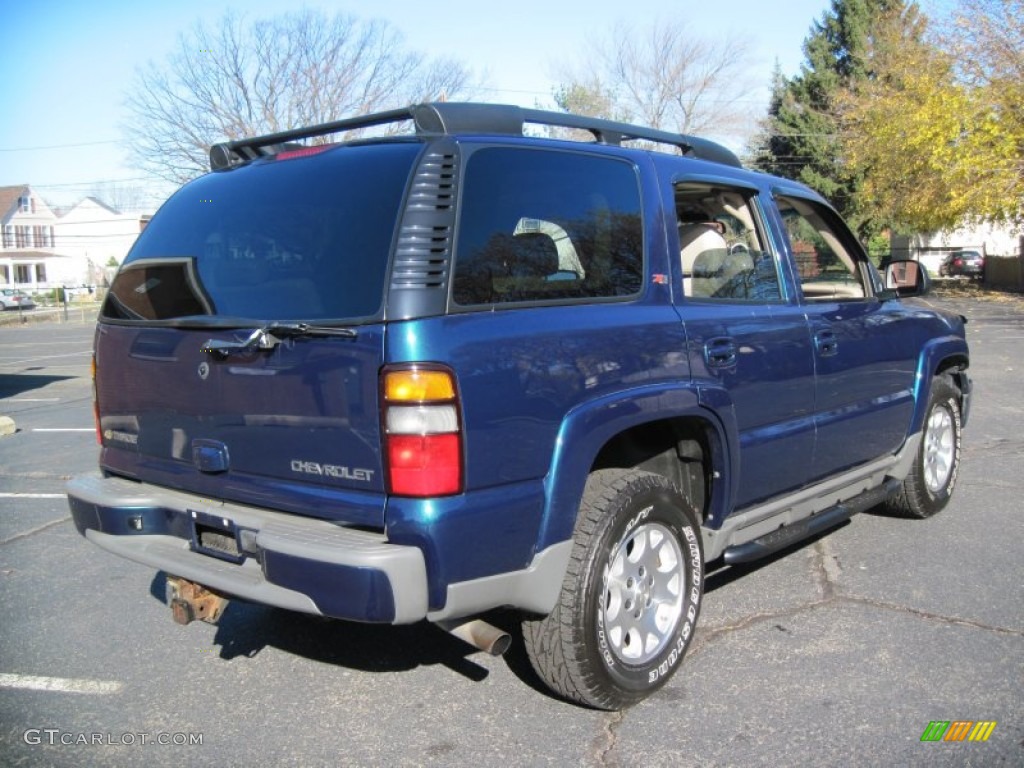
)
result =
(418, 386)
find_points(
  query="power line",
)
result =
(59, 146)
(91, 183)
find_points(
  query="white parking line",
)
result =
(33, 496)
(35, 344)
(65, 429)
(29, 399)
(43, 357)
(59, 684)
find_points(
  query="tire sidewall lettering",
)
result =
(689, 617)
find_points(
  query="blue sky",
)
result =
(68, 63)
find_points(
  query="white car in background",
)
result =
(12, 299)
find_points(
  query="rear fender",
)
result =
(587, 429)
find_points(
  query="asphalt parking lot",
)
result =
(840, 652)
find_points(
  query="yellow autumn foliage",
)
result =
(935, 147)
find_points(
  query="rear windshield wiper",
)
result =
(269, 336)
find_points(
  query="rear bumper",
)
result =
(292, 562)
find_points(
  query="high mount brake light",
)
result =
(291, 154)
(422, 431)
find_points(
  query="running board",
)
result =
(786, 535)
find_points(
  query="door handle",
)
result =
(826, 343)
(720, 352)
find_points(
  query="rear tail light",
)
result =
(422, 431)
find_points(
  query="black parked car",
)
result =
(967, 263)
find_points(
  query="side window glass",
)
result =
(827, 268)
(537, 225)
(721, 248)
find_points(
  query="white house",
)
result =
(94, 236)
(41, 250)
(28, 258)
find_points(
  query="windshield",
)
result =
(304, 238)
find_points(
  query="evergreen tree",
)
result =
(800, 139)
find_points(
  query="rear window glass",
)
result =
(286, 239)
(538, 225)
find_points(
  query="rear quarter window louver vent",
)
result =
(434, 187)
(423, 253)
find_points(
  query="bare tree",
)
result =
(665, 77)
(987, 36)
(120, 197)
(242, 79)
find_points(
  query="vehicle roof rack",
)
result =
(446, 118)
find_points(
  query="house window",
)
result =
(43, 237)
(8, 236)
(22, 273)
(27, 204)
(21, 236)
(5, 274)
(40, 273)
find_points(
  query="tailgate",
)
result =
(295, 427)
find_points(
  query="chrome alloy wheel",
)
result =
(939, 449)
(643, 595)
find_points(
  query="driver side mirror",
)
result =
(907, 278)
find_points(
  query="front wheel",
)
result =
(929, 486)
(630, 597)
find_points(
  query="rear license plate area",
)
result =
(215, 536)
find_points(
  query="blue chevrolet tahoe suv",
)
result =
(480, 365)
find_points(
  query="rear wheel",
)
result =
(631, 594)
(929, 486)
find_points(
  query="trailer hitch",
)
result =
(190, 601)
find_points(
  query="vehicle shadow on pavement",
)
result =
(719, 574)
(13, 385)
(245, 629)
